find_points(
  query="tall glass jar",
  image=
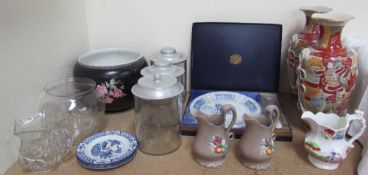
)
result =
(309, 36)
(72, 104)
(158, 112)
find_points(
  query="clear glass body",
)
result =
(72, 104)
(41, 149)
(157, 124)
(183, 79)
(38, 152)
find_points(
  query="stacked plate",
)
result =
(106, 150)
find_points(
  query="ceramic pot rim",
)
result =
(91, 84)
(87, 55)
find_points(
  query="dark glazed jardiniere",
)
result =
(115, 70)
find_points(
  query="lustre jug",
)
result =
(257, 142)
(212, 141)
(326, 144)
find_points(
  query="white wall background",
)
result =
(40, 39)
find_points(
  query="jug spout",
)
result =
(33, 123)
(308, 117)
(199, 116)
(215, 119)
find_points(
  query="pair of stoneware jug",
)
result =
(256, 144)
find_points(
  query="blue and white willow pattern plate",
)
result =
(106, 150)
(211, 103)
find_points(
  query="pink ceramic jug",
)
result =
(257, 142)
(212, 141)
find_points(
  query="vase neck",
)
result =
(331, 38)
(312, 28)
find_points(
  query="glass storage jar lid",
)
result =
(169, 54)
(156, 87)
(163, 67)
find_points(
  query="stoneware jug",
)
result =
(325, 143)
(212, 141)
(257, 142)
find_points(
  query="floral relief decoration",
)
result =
(330, 134)
(267, 146)
(109, 91)
(218, 145)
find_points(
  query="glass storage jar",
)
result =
(158, 109)
(72, 104)
(176, 58)
(164, 67)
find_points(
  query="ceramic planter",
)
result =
(115, 70)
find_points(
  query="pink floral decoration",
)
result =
(109, 91)
(101, 90)
(117, 93)
(217, 140)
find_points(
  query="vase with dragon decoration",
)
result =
(326, 143)
(327, 70)
(308, 36)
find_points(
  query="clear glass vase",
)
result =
(72, 104)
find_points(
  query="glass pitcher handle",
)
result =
(357, 116)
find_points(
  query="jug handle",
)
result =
(357, 116)
(225, 109)
(270, 110)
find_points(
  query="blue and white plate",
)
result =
(212, 102)
(106, 150)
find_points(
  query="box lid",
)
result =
(235, 56)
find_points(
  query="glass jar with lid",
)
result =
(158, 111)
(176, 58)
(170, 54)
(164, 67)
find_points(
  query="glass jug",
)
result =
(41, 148)
(72, 104)
(158, 112)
